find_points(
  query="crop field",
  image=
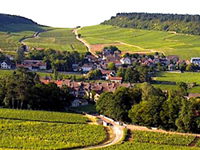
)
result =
(24, 129)
(187, 77)
(43, 116)
(147, 146)
(10, 41)
(58, 39)
(134, 40)
(161, 138)
(153, 140)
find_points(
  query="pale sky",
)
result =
(72, 13)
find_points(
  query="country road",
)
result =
(117, 135)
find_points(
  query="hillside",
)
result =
(186, 24)
(143, 41)
(13, 23)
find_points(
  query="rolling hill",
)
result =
(143, 41)
(185, 24)
(14, 28)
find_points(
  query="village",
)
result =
(108, 63)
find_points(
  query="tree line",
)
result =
(24, 90)
(149, 106)
(186, 24)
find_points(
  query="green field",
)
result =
(142, 140)
(9, 41)
(24, 129)
(147, 146)
(134, 40)
(58, 39)
(187, 77)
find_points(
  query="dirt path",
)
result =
(75, 31)
(114, 135)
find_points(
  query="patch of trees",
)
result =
(23, 90)
(56, 60)
(149, 106)
(186, 24)
(134, 74)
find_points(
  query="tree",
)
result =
(111, 66)
(19, 58)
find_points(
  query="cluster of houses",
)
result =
(88, 90)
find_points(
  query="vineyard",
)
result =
(43, 116)
(37, 135)
(156, 141)
(135, 40)
(58, 39)
(146, 146)
(24, 129)
(162, 138)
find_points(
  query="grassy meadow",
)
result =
(58, 39)
(134, 40)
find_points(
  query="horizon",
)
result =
(88, 12)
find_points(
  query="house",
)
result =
(126, 61)
(5, 65)
(195, 60)
(79, 102)
(115, 79)
(173, 58)
(106, 73)
(87, 67)
(33, 65)
(75, 67)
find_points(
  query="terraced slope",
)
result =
(135, 40)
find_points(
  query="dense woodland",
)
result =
(186, 24)
(149, 106)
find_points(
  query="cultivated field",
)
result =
(23, 129)
(133, 40)
(58, 39)
(152, 140)
(187, 77)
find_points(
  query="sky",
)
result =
(72, 13)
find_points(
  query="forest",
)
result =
(175, 23)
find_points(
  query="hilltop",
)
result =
(185, 24)
(13, 23)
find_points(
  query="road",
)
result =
(117, 135)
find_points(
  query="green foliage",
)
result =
(95, 74)
(111, 66)
(187, 24)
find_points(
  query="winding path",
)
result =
(117, 135)
(75, 31)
